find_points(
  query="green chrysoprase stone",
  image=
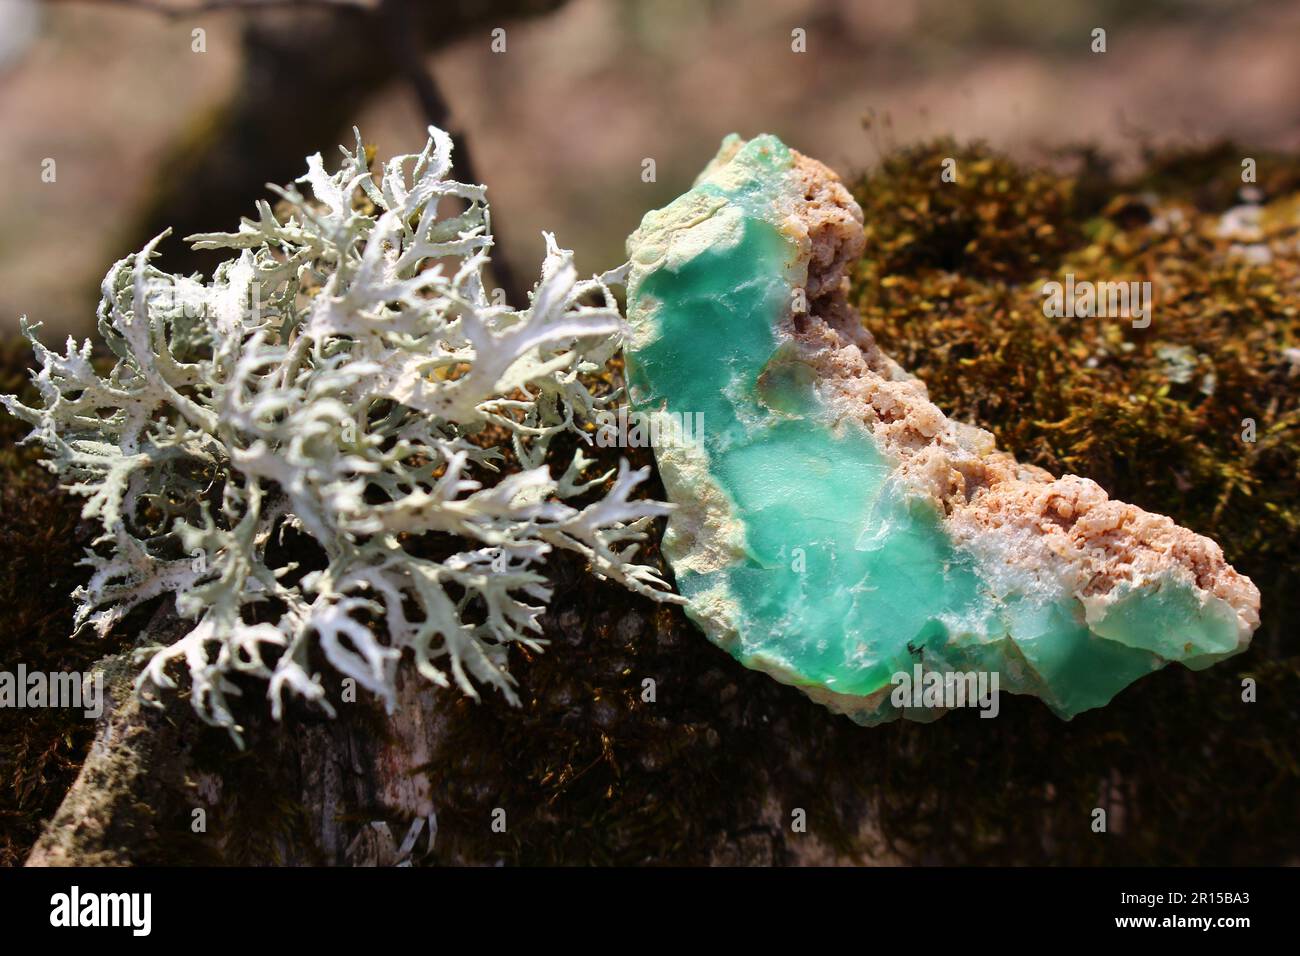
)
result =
(799, 545)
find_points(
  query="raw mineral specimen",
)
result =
(834, 529)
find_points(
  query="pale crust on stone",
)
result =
(1091, 544)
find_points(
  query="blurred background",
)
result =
(176, 112)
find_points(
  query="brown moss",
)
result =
(998, 219)
(1154, 415)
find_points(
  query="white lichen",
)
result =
(331, 391)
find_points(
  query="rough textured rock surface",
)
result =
(937, 551)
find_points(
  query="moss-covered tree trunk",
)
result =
(719, 764)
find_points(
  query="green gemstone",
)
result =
(801, 544)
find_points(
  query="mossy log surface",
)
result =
(711, 771)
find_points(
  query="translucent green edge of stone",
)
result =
(796, 483)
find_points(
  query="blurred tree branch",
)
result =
(401, 21)
(308, 68)
(182, 9)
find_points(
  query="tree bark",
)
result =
(581, 772)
